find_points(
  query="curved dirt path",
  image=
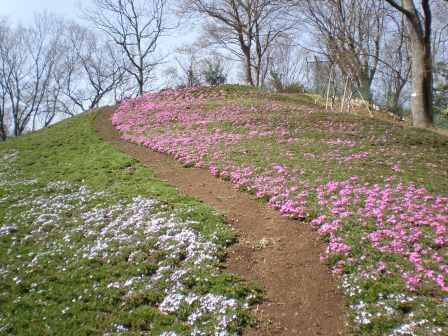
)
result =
(280, 254)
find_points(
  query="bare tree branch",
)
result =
(135, 26)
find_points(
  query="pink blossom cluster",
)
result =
(404, 224)
(276, 185)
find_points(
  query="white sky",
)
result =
(21, 11)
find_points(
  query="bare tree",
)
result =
(28, 58)
(3, 115)
(349, 33)
(55, 68)
(420, 25)
(286, 65)
(246, 29)
(439, 38)
(13, 74)
(4, 33)
(93, 69)
(42, 45)
(185, 68)
(136, 26)
(188, 63)
(395, 63)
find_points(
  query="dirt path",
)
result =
(281, 255)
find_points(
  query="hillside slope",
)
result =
(300, 295)
(91, 243)
(375, 192)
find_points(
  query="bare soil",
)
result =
(279, 254)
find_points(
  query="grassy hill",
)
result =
(92, 243)
(375, 191)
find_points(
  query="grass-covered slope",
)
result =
(91, 243)
(375, 192)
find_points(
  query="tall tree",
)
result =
(93, 68)
(349, 33)
(4, 33)
(395, 64)
(28, 58)
(136, 26)
(286, 66)
(247, 29)
(420, 23)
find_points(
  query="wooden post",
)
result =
(345, 92)
(328, 89)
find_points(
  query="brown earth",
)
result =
(279, 254)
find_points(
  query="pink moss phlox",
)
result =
(399, 221)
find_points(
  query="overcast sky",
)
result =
(22, 10)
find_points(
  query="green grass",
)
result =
(422, 158)
(48, 286)
(288, 141)
(65, 293)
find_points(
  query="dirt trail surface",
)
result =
(280, 254)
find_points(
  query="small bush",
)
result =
(294, 88)
(214, 73)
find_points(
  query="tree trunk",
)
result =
(421, 98)
(364, 88)
(2, 132)
(141, 81)
(246, 49)
(422, 81)
(248, 68)
(419, 23)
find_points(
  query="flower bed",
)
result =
(386, 240)
(87, 245)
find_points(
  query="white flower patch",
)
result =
(386, 306)
(47, 210)
(412, 329)
(363, 316)
(118, 329)
(348, 285)
(80, 224)
(58, 186)
(127, 227)
(3, 325)
(211, 303)
(178, 241)
(7, 176)
(7, 229)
